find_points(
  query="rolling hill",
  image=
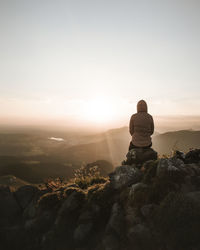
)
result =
(34, 157)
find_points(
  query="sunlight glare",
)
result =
(99, 110)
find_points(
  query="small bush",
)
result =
(54, 183)
(85, 177)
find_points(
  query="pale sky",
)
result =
(58, 57)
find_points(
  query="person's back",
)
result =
(141, 127)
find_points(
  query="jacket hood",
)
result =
(142, 106)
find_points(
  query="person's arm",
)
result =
(152, 126)
(131, 125)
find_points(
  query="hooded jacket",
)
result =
(141, 126)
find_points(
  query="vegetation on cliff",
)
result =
(155, 206)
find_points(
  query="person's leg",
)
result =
(147, 146)
(131, 146)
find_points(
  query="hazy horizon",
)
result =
(87, 63)
(162, 124)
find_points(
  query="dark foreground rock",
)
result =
(124, 176)
(138, 156)
(152, 207)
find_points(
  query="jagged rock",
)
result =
(15, 238)
(41, 224)
(70, 205)
(140, 155)
(82, 232)
(193, 156)
(194, 167)
(116, 221)
(147, 210)
(80, 248)
(48, 240)
(167, 166)
(150, 169)
(9, 208)
(187, 186)
(30, 211)
(194, 196)
(49, 201)
(73, 201)
(176, 220)
(190, 170)
(29, 224)
(25, 194)
(125, 176)
(138, 195)
(117, 215)
(89, 213)
(111, 242)
(179, 155)
(148, 164)
(140, 237)
(135, 188)
(131, 217)
(85, 216)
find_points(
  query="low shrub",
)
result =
(85, 177)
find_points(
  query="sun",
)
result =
(99, 110)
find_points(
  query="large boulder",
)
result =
(167, 166)
(195, 196)
(134, 188)
(177, 221)
(30, 211)
(25, 194)
(193, 156)
(82, 232)
(140, 155)
(115, 228)
(9, 209)
(187, 176)
(147, 210)
(111, 242)
(72, 203)
(125, 176)
(131, 216)
(140, 237)
(116, 221)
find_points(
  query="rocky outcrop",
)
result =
(151, 206)
(9, 208)
(138, 156)
(124, 176)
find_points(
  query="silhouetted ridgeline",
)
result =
(33, 157)
(156, 207)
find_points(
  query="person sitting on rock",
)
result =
(141, 127)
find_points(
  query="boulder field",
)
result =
(149, 205)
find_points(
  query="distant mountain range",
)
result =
(34, 157)
(12, 181)
(182, 140)
(113, 144)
